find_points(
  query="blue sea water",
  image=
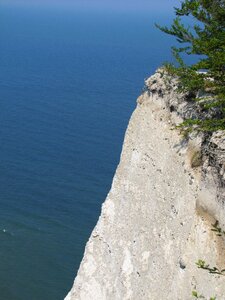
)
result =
(68, 84)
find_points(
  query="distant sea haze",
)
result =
(69, 83)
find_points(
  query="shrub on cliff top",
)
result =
(206, 39)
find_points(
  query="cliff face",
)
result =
(156, 221)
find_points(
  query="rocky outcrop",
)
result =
(156, 221)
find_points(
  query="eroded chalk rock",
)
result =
(156, 221)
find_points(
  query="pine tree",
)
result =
(205, 39)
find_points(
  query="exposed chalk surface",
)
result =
(154, 224)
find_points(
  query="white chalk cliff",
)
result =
(156, 221)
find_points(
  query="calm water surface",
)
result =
(68, 84)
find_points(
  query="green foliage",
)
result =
(206, 39)
(208, 125)
(212, 270)
(202, 264)
(217, 229)
(197, 296)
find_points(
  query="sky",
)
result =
(160, 6)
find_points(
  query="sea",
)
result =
(69, 80)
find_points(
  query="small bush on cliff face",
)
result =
(197, 296)
(206, 39)
(201, 264)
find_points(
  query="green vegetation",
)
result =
(201, 264)
(206, 40)
(216, 228)
(197, 296)
(212, 270)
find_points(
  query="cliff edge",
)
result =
(156, 221)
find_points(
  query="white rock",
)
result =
(156, 221)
